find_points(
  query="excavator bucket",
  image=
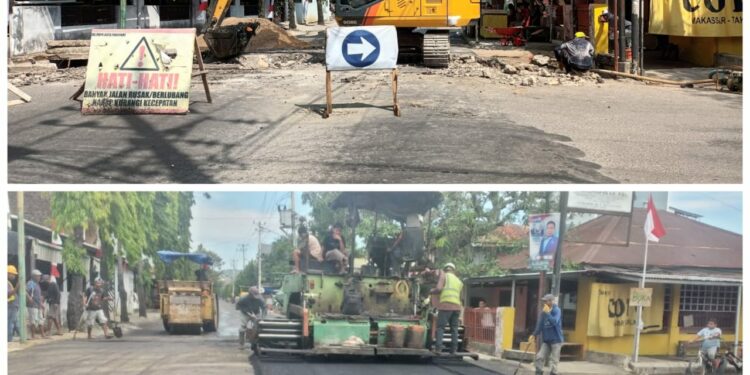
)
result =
(229, 41)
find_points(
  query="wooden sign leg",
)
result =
(202, 71)
(394, 88)
(329, 96)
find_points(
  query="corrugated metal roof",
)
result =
(688, 243)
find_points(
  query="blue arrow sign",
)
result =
(360, 48)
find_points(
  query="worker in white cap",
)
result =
(449, 288)
(35, 304)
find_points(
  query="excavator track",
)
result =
(436, 50)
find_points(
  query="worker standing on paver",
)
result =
(549, 334)
(449, 307)
(94, 301)
(576, 55)
(12, 301)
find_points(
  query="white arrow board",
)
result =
(365, 47)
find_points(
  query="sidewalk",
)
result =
(565, 368)
(133, 325)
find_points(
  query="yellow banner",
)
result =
(610, 314)
(705, 18)
(139, 71)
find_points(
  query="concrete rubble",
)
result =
(541, 71)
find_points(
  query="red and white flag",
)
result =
(653, 228)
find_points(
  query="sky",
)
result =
(227, 220)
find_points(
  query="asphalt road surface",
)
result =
(149, 350)
(266, 127)
(288, 366)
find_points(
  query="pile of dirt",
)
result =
(268, 36)
(541, 71)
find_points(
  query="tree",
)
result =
(464, 216)
(292, 14)
(132, 226)
(321, 20)
(74, 213)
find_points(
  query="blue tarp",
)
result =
(169, 256)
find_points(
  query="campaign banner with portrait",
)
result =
(544, 231)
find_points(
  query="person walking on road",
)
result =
(549, 334)
(94, 308)
(449, 288)
(34, 304)
(52, 296)
(12, 301)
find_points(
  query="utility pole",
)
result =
(243, 249)
(21, 230)
(556, 278)
(123, 13)
(260, 236)
(234, 276)
(636, 27)
(294, 238)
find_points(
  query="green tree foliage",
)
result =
(465, 216)
(132, 225)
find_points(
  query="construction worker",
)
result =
(308, 245)
(548, 332)
(449, 288)
(576, 55)
(94, 303)
(35, 304)
(334, 249)
(12, 301)
(252, 308)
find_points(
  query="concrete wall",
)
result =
(31, 27)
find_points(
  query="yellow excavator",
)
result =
(225, 41)
(423, 25)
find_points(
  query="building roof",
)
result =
(504, 235)
(687, 243)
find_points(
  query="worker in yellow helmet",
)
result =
(576, 55)
(449, 288)
(12, 301)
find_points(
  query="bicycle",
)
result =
(707, 366)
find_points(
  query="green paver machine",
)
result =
(379, 310)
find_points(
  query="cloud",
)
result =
(223, 229)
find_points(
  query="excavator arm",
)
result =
(225, 41)
(215, 13)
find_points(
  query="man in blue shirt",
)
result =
(34, 304)
(12, 301)
(549, 242)
(549, 334)
(710, 339)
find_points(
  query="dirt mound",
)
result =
(268, 36)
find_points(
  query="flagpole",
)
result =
(638, 325)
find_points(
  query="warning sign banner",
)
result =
(704, 18)
(139, 71)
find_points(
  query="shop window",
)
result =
(568, 303)
(667, 317)
(698, 303)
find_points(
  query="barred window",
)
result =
(699, 303)
(707, 298)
